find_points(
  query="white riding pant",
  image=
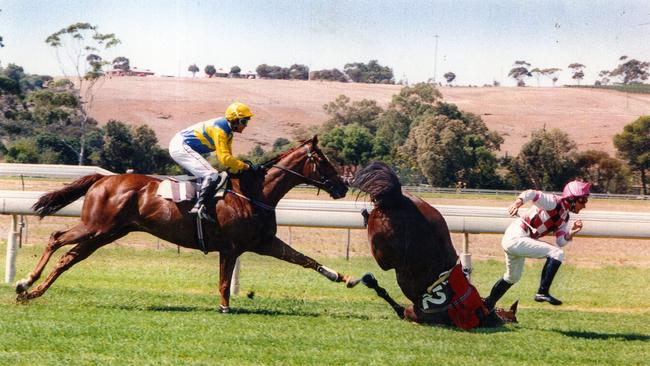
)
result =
(518, 246)
(189, 159)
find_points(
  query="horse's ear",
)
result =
(513, 307)
(314, 140)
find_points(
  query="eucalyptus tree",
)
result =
(578, 71)
(193, 69)
(78, 47)
(631, 70)
(519, 72)
(633, 145)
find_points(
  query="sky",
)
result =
(477, 40)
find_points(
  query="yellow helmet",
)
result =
(237, 111)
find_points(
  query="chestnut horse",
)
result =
(118, 204)
(409, 235)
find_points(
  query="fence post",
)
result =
(465, 256)
(347, 248)
(12, 249)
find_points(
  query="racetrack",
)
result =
(125, 306)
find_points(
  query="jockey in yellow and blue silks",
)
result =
(214, 135)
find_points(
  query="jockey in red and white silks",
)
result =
(549, 214)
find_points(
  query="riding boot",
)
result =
(498, 290)
(548, 274)
(208, 189)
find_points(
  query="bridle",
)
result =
(312, 158)
(324, 183)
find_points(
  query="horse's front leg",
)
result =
(227, 262)
(281, 250)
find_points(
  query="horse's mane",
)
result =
(379, 181)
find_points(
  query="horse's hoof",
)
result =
(21, 286)
(22, 298)
(369, 280)
(224, 309)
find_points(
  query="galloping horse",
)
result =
(409, 235)
(119, 204)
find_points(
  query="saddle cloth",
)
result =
(177, 191)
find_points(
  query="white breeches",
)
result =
(518, 246)
(189, 159)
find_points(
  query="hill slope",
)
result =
(591, 117)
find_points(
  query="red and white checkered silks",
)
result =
(546, 221)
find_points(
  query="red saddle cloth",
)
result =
(466, 307)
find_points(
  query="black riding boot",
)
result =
(208, 189)
(548, 274)
(498, 290)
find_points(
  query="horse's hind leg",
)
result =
(281, 250)
(75, 255)
(57, 240)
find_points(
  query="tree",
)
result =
(210, 70)
(449, 76)
(578, 73)
(343, 113)
(193, 69)
(552, 73)
(632, 70)
(299, 72)
(118, 149)
(416, 100)
(235, 70)
(538, 73)
(604, 77)
(330, 75)
(447, 150)
(82, 42)
(121, 63)
(348, 145)
(633, 145)
(372, 73)
(545, 162)
(519, 72)
(607, 174)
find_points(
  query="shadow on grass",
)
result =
(243, 311)
(604, 336)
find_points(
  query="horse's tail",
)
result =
(52, 202)
(379, 181)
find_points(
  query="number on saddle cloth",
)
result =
(457, 297)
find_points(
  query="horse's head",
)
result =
(308, 162)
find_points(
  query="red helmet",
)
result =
(575, 189)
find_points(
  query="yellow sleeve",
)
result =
(223, 145)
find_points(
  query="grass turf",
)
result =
(144, 306)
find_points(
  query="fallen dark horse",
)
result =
(410, 236)
(119, 204)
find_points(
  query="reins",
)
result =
(272, 164)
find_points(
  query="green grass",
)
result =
(629, 88)
(147, 307)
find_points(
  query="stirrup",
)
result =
(203, 214)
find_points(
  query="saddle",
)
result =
(184, 188)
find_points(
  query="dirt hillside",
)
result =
(167, 105)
